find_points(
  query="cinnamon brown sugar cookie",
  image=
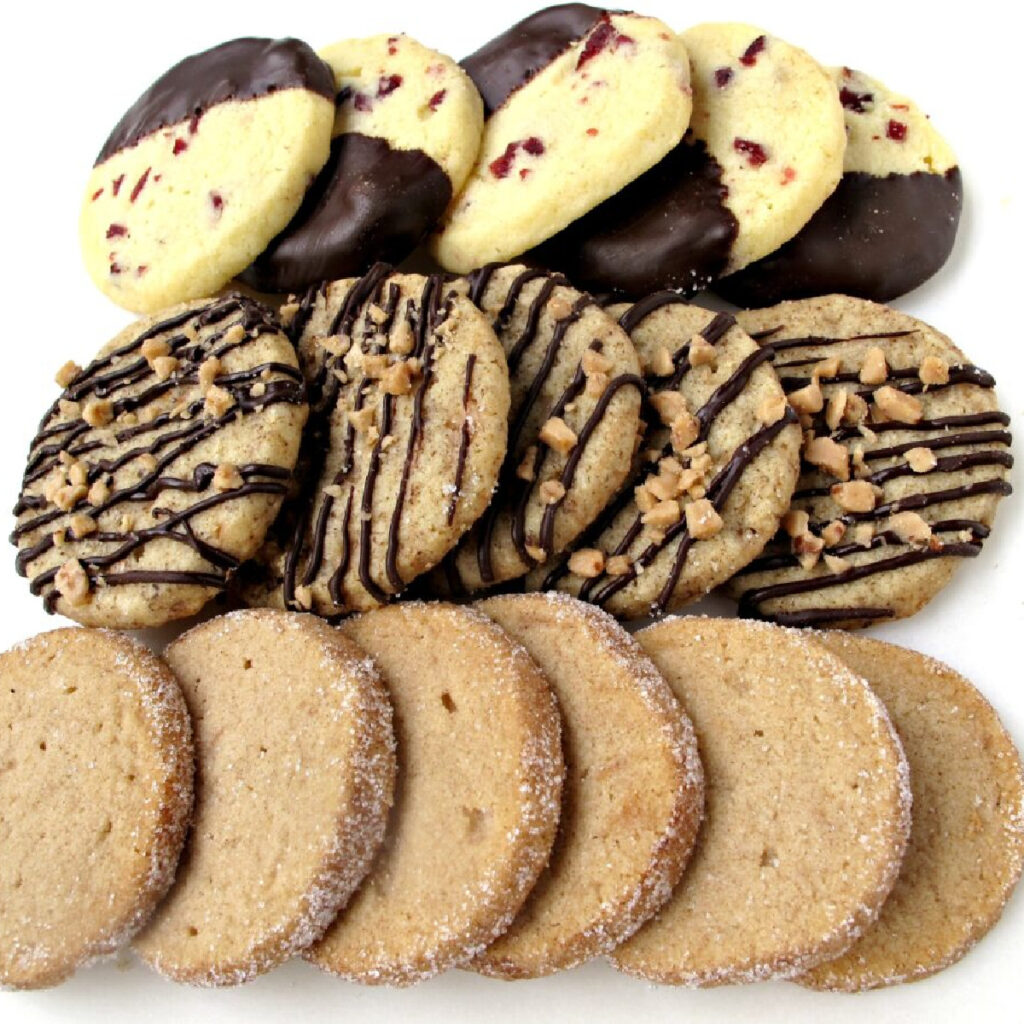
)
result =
(967, 836)
(718, 467)
(807, 807)
(296, 762)
(905, 458)
(409, 404)
(477, 801)
(96, 786)
(633, 791)
(161, 465)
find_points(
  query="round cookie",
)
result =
(160, 467)
(605, 107)
(633, 792)
(406, 134)
(96, 784)
(763, 152)
(207, 166)
(576, 395)
(409, 403)
(889, 225)
(717, 473)
(296, 769)
(807, 807)
(477, 802)
(967, 836)
(905, 458)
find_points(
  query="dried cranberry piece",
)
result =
(193, 124)
(117, 231)
(217, 200)
(362, 102)
(140, 185)
(533, 146)
(896, 130)
(115, 185)
(180, 145)
(855, 101)
(592, 131)
(723, 76)
(141, 269)
(524, 173)
(387, 84)
(96, 195)
(501, 165)
(603, 37)
(115, 268)
(754, 151)
(749, 58)
(437, 99)
(392, 47)
(788, 175)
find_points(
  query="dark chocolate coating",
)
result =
(668, 229)
(239, 70)
(513, 58)
(369, 203)
(875, 237)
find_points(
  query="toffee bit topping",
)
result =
(218, 401)
(557, 434)
(67, 373)
(78, 474)
(836, 564)
(910, 527)
(669, 405)
(98, 493)
(258, 390)
(525, 469)
(154, 348)
(663, 515)
(863, 534)
(808, 549)
(552, 491)
(702, 352)
(208, 371)
(826, 368)
(304, 597)
(559, 307)
(933, 371)
(82, 525)
(69, 410)
(397, 379)
(644, 498)
(597, 384)
(227, 478)
(147, 462)
(855, 409)
(287, 313)
(921, 460)
(595, 362)
(587, 562)
(702, 519)
(72, 582)
(828, 455)
(834, 532)
(538, 554)
(772, 409)
(808, 399)
(375, 366)
(618, 565)
(855, 496)
(98, 412)
(874, 370)
(164, 366)
(893, 404)
(796, 522)
(402, 340)
(362, 419)
(661, 364)
(837, 402)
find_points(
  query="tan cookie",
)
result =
(807, 807)
(477, 801)
(633, 792)
(160, 467)
(96, 787)
(904, 461)
(296, 764)
(409, 403)
(967, 837)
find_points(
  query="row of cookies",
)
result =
(513, 788)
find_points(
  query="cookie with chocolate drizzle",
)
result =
(409, 401)
(159, 469)
(905, 458)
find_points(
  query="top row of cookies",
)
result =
(600, 144)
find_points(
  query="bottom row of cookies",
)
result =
(512, 788)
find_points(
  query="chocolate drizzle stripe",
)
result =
(345, 556)
(911, 382)
(979, 419)
(814, 340)
(643, 308)
(464, 441)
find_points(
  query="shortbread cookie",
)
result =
(409, 404)
(633, 791)
(210, 163)
(905, 458)
(600, 112)
(967, 837)
(764, 151)
(576, 394)
(160, 467)
(719, 465)
(406, 135)
(807, 807)
(96, 787)
(477, 804)
(296, 770)
(889, 225)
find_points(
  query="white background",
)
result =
(66, 80)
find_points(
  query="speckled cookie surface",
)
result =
(409, 406)
(160, 467)
(905, 458)
(573, 423)
(96, 786)
(967, 836)
(406, 134)
(210, 163)
(891, 222)
(600, 112)
(295, 773)
(633, 792)
(718, 467)
(807, 807)
(477, 800)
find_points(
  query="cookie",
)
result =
(719, 465)
(96, 785)
(905, 458)
(406, 135)
(889, 225)
(807, 807)
(477, 802)
(409, 404)
(160, 467)
(575, 413)
(633, 791)
(296, 765)
(207, 166)
(763, 152)
(609, 105)
(967, 837)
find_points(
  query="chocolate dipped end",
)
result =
(370, 203)
(875, 237)
(668, 229)
(242, 69)
(510, 60)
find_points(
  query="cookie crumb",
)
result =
(397, 379)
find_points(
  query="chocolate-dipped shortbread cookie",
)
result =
(905, 458)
